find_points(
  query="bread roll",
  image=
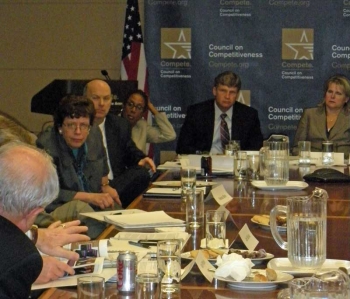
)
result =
(260, 277)
(271, 274)
(262, 219)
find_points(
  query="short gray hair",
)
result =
(28, 178)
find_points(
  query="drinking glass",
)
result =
(91, 287)
(241, 165)
(215, 228)
(331, 284)
(188, 181)
(147, 286)
(254, 166)
(195, 208)
(327, 153)
(169, 265)
(304, 153)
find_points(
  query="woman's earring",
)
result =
(60, 131)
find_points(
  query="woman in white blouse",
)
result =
(134, 108)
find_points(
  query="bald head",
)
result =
(100, 93)
(28, 179)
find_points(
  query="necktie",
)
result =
(225, 135)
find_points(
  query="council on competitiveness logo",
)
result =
(244, 97)
(175, 43)
(298, 44)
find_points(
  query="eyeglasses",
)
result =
(74, 127)
(132, 105)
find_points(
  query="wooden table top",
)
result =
(247, 201)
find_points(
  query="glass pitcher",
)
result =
(274, 162)
(306, 229)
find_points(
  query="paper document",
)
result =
(146, 220)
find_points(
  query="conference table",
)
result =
(247, 201)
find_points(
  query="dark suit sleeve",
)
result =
(186, 141)
(255, 140)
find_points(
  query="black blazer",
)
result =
(197, 131)
(122, 150)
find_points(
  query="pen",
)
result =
(138, 244)
(119, 213)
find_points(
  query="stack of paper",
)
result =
(144, 220)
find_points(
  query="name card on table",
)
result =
(220, 194)
(248, 238)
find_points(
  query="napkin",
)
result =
(233, 265)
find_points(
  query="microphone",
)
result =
(105, 73)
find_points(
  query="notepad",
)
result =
(144, 220)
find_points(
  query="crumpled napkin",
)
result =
(233, 265)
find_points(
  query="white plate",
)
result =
(284, 265)
(254, 285)
(178, 184)
(257, 261)
(281, 229)
(291, 185)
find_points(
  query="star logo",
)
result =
(176, 43)
(298, 44)
(244, 97)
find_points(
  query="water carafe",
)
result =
(306, 229)
(275, 155)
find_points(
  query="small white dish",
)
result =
(284, 265)
(255, 285)
(291, 185)
(178, 184)
(256, 261)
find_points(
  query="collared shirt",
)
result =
(103, 131)
(216, 147)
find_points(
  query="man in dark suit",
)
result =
(201, 129)
(128, 174)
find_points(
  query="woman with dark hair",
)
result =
(134, 107)
(80, 158)
(330, 120)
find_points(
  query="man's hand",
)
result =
(51, 239)
(52, 270)
(148, 161)
(112, 193)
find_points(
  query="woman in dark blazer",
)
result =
(330, 120)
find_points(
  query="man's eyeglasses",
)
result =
(132, 105)
(74, 127)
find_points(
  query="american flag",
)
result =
(134, 65)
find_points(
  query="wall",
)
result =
(46, 40)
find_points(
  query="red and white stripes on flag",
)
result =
(134, 66)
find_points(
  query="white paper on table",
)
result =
(66, 281)
(248, 238)
(204, 266)
(187, 269)
(169, 165)
(220, 195)
(316, 159)
(149, 219)
(101, 215)
(123, 245)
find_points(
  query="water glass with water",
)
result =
(215, 228)
(169, 265)
(306, 229)
(188, 181)
(304, 153)
(327, 153)
(195, 208)
(241, 165)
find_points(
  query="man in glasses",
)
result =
(129, 167)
